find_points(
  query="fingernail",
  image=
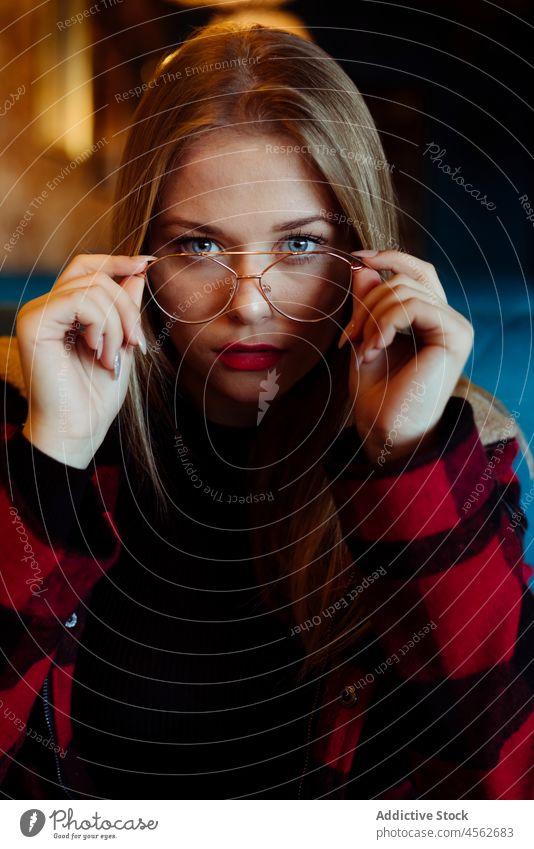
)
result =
(140, 336)
(142, 261)
(99, 347)
(368, 352)
(117, 365)
(344, 337)
(365, 253)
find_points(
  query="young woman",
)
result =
(257, 526)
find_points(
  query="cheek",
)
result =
(323, 334)
(188, 340)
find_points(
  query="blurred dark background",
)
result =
(449, 86)
(456, 75)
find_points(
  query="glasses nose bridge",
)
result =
(249, 276)
(249, 265)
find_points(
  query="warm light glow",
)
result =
(63, 95)
(265, 12)
(78, 103)
(269, 18)
(228, 8)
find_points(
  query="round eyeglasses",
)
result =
(304, 286)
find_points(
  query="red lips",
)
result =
(241, 346)
(241, 357)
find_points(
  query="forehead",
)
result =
(227, 173)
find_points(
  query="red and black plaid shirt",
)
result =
(438, 706)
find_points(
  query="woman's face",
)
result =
(244, 192)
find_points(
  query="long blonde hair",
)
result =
(256, 78)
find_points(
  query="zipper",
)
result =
(50, 725)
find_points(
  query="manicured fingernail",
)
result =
(365, 253)
(369, 354)
(142, 261)
(117, 365)
(343, 340)
(345, 336)
(140, 336)
(99, 347)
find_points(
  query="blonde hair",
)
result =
(256, 79)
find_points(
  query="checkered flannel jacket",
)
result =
(438, 705)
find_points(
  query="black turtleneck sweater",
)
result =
(185, 685)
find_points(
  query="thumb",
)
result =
(134, 287)
(364, 280)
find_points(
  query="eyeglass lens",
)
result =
(303, 287)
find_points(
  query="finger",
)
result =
(363, 280)
(73, 309)
(440, 326)
(120, 295)
(103, 329)
(113, 265)
(134, 287)
(403, 263)
(382, 297)
(111, 329)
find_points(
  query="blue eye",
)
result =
(205, 246)
(296, 243)
(198, 244)
(301, 243)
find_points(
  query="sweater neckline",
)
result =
(188, 409)
(220, 442)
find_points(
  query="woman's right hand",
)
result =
(75, 381)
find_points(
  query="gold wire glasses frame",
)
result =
(354, 263)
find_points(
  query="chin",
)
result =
(247, 387)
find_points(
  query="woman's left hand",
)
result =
(401, 383)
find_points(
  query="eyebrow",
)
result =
(286, 225)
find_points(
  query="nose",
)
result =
(249, 304)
